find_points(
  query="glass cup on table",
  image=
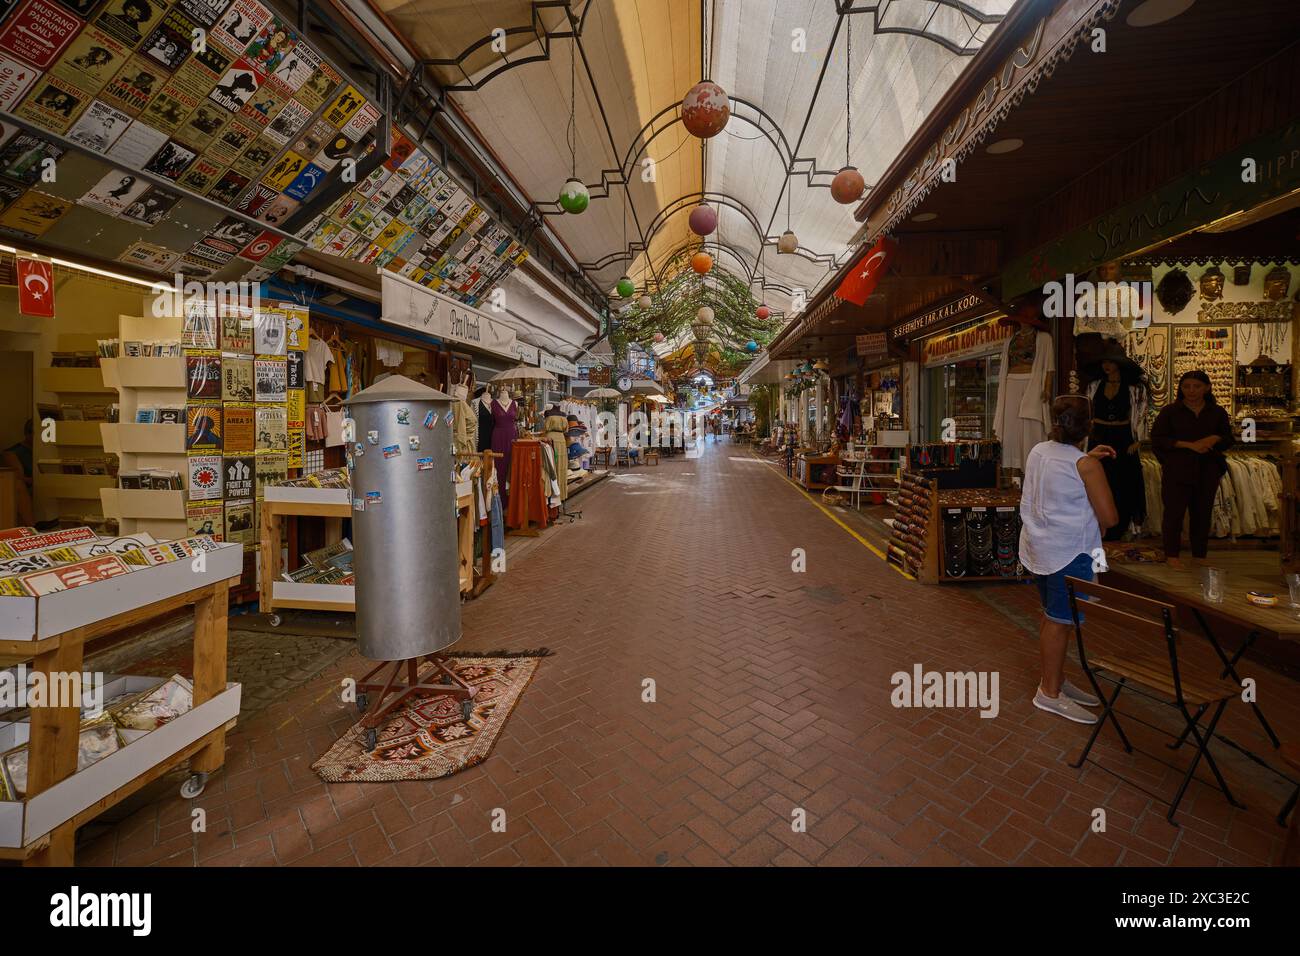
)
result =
(1214, 584)
(1293, 585)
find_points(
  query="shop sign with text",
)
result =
(873, 343)
(911, 327)
(558, 366)
(423, 310)
(964, 343)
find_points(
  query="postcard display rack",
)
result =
(333, 505)
(48, 634)
(84, 400)
(225, 417)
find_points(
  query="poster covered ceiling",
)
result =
(514, 69)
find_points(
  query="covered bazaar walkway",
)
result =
(772, 695)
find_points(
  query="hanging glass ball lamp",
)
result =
(705, 315)
(751, 346)
(658, 336)
(702, 262)
(763, 313)
(703, 220)
(788, 243)
(847, 186)
(625, 287)
(644, 302)
(574, 197)
(705, 109)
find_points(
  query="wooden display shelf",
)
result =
(160, 505)
(74, 487)
(134, 438)
(808, 466)
(147, 372)
(78, 434)
(75, 381)
(51, 632)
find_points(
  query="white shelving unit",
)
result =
(77, 495)
(856, 480)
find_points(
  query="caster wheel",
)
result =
(466, 709)
(362, 703)
(372, 738)
(193, 785)
(276, 620)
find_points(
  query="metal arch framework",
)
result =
(879, 9)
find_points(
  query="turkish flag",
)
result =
(35, 286)
(861, 280)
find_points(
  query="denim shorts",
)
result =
(1054, 595)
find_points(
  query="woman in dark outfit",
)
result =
(1189, 437)
(1120, 399)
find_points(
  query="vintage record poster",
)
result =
(272, 43)
(270, 375)
(306, 181)
(314, 139)
(239, 473)
(237, 332)
(362, 122)
(203, 12)
(228, 188)
(295, 68)
(241, 23)
(130, 21)
(146, 255)
(75, 575)
(26, 544)
(268, 332)
(115, 192)
(203, 375)
(237, 86)
(202, 175)
(170, 42)
(23, 157)
(240, 432)
(204, 477)
(272, 428)
(34, 213)
(37, 32)
(275, 212)
(134, 85)
(236, 378)
(287, 122)
(232, 234)
(233, 139)
(319, 88)
(200, 72)
(137, 145)
(239, 521)
(253, 160)
(271, 470)
(264, 106)
(210, 254)
(150, 208)
(199, 328)
(206, 517)
(99, 127)
(52, 104)
(15, 80)
(91, 60)
(203, 426)
(172, 160)
(193, 267)
(203, 124)
(295, 407)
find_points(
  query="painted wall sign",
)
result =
(913, 326)
(873, 343)
(964, 343)
(1193, 199)
(423, 310)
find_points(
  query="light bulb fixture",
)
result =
(625, 287)
(644, 302)
(574, 196)
(788, 243)
(848, 184)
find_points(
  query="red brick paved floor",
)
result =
(773, 694)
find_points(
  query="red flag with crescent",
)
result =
(35, 286)
(861, 280)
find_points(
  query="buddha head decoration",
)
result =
(1277, 283)
(1241, 274)
(1175, 291)
(1212, 284)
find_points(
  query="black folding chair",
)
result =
(1146, 622)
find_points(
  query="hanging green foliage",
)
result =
(673, 309)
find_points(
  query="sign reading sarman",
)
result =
(422, 310)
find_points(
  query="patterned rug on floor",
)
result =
(427, 738)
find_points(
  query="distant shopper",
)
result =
(1190, 436)
(18, 458)
(1065, 506)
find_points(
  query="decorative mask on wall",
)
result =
(1277, 283)
(1212, 284)
(1175, 291)
(1241, 274)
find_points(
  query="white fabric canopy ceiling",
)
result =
(636, 58)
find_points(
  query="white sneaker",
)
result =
(1079, 696)
(1063, 707)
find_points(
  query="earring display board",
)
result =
(1210, 349)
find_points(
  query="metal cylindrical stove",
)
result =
(403, 520)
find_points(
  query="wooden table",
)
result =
(53, 744)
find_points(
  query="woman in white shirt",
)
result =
(1065, 506)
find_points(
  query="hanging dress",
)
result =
(555, 428)
(504, 433)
